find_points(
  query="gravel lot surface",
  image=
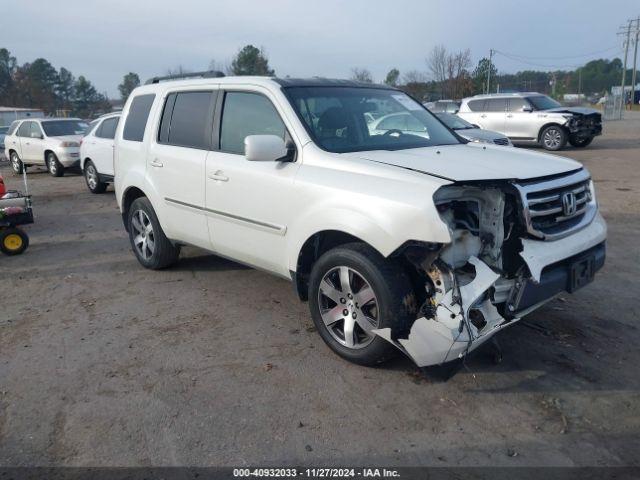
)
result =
(103, 363)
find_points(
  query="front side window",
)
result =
(517, 104)
(136, 123)
(335, 118)
(186, 120)
(25, 129)
(60, 128)
(36, 132)
(108, 128)
(245, 114)
(542, 102)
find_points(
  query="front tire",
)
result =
(55, 167)
(16, 164)
(580, 142)
(553, 138)
(149, 243)
(92, 178)
(13, 241)
(354, 290)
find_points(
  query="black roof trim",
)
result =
(326, 82)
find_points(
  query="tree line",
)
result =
(446, 74)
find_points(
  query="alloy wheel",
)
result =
(348, 307)
(15, 163)
(53, 166)
(92, 176)
(143, 236)
(552, 138)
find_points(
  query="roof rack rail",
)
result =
(205, 74)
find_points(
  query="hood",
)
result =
(479, 134)
(574, 110)
(68, 138)
(473, 162)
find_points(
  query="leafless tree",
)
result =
(437, 63)
(414, 76)
(179, 70)
(361, 75)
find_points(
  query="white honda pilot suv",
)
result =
(405, 240)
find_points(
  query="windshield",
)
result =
(3, 130)
(542, 102)
(351, 119)
(454, 122)
(59, 128)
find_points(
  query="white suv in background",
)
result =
(52, 142)
(96, 152)
(427, 244)
(533, 119)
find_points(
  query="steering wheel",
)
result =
(392, 131)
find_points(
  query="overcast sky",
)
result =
(105, 39)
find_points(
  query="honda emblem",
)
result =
(569, 205)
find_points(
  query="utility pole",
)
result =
(489, 70)
(635, 59)
(624, 68)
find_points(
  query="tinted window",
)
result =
(59, 128)
(36, 131)
(108, 128)
(13, 127)
(190, 122)
(496, 105)
(247, 114)
(517, 104)
(137, 118)
(91, 126)
(542, 102)
(476, 105)
(25, 129)
(4, 130)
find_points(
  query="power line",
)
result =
(564, 57)
(535, 64)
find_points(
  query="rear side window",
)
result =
(137, 118)
(25, 129)
(187, 119)
(12, 128)
(247, 114)
(476, 105)
(108, 128)
(496, 105)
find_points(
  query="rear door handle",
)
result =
(484, 115)
(156, 163)
(510, 116)
(219, 176)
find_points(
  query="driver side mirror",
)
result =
(267, 148)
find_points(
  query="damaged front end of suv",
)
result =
(514, 246)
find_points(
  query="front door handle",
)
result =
(483, 115)
(156, 163)
(219, 176)
(510, 116)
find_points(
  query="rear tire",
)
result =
(16, 164)
(553, 138)
(337, 302)
(13, 241)
(580, 142)
(55, 167)
(92, 177)
(149, 243)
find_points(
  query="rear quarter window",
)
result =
(476, 105)
(136, 122)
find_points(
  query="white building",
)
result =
(9, 114)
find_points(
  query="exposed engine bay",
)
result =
(473, 286)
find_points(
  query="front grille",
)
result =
(558, 207)
(501, 141)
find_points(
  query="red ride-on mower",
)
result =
(15, 210)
